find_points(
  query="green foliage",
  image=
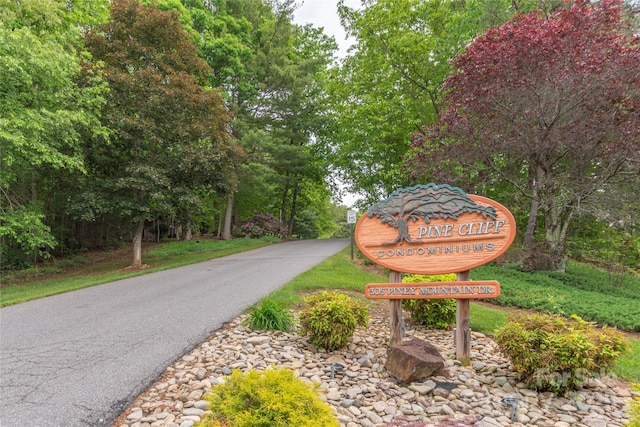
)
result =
(22, 231)
(391, 83)
(273, 398)
(152, 169)
(616, 249)
(583, 290)
(487, 319)
(338, 220)
(431, 313)
(49, 104)
(306, 225)
(269, 315)
(634, 408)
(551, 353)
(331, 319)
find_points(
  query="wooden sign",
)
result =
(434, 290)
(434, 229)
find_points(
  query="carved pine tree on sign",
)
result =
(426, 202)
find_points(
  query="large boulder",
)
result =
(415, 360)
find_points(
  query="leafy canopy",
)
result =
(549, 106)
(47, 106)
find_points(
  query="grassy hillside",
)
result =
(583, 290)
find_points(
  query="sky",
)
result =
(324, 13)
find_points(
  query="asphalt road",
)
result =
(80, 358)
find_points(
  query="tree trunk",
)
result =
(188, 235)
(292, 214)
(226, 232)
(137, 245)
(533, 210)
(34, 200)
(556, 225)
(531, 224)
(283, 202)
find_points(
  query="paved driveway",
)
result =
(80, 358)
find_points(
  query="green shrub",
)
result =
(331, 319)
(273, 398)
(551, 353)
(431, 313)
(270, 316)
(634, 408)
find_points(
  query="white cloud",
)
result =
(324, 13)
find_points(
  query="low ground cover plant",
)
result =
(431, 313)
(331, 319)
(269, 315)
(272, 398)
(584, 290)
(552, 353)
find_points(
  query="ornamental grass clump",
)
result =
(272, 398)
(331, 319)
(552, 353)
(431, 313)
(269, 315)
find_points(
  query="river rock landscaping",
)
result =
(361, 392)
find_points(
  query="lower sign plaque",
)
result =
(473, 289)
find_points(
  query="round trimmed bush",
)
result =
(552, 353)
(331, 319)
(431, 313)
(272, 398)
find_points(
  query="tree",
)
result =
(47, 106)
(549, 106)
(271, 72)
(170, 132)
(389, 86)
(277, 116)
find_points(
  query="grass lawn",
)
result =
(86, 270)
(551, 292)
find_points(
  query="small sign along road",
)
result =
(434, 290)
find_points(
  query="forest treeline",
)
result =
(123, 120)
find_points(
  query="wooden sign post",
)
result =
(434, 229)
